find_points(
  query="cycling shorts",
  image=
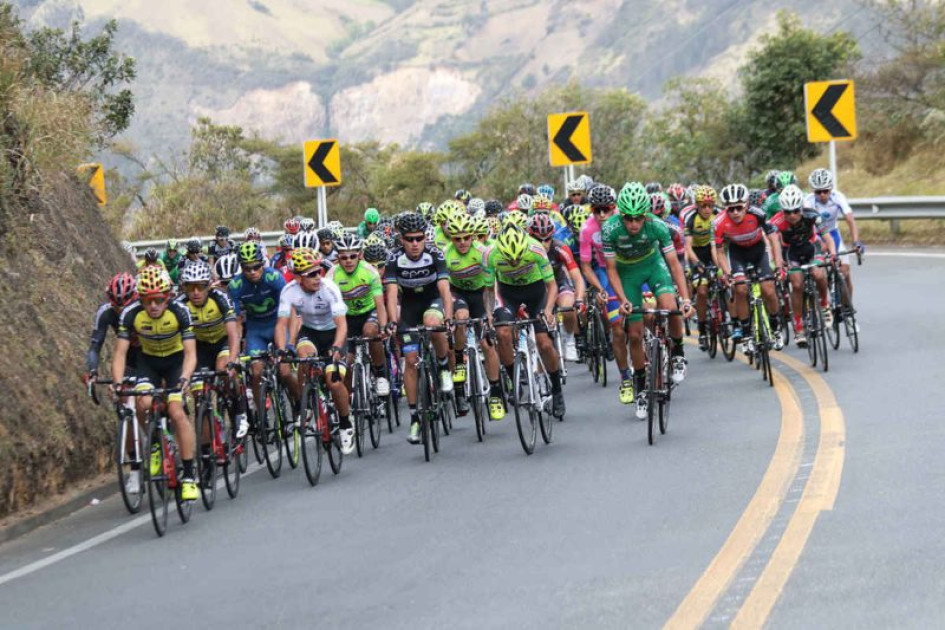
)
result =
(356, 322)
(740, 257)
(798, 255)
(704, 254)
(412, 313)
(208, 353)
(154, 371)
(258, 334)
(322, 341)
(839, 245)
(650, 273)
(472, 301)
(532, 296)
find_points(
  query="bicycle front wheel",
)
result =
(546, 419)
(158, 492)
(476, 397)
(653, 385)
(271, 430)
(206, 458)
(359, 409)
(131, 439)
(666, 390)
(525, 421)
(311, 434)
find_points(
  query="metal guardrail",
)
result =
(891, 209)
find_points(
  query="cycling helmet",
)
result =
(349, 242)
(480, 226)
(586, 182)
(734, 195)
(574, 186)
(476, 206)
(660, 203)
(308, 239)
(304, 260)
(579, 215)
(194, 246)
(150, 256)
(705, 193)
(371, 215)
(222, 231)
(601, 195)
(821, 179)
(541, 226)
(337, 228)
(547, 190)
(443, 212)
(515, 218)
(771, 179)
(375, 253)
(252, 234)
(286, 241)
(325, 234)
(493, 207)
(541, 203)
(196, 271)
(676, 192)
(633, 200)
(756, 197)
(292, 226)
(654, 187)
(121, 290)
(426, 209)
(227, 267)
(786, 178)
(172, 245)
(494, 224)
(512, 242)
(307, 225)
(153, 281)
(460, 225)
(462, 195)
(525, 202)
(250, 252)
(411, 223)
(526, 189)
(791, 198)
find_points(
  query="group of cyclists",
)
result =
(440, 268)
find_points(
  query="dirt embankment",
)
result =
(56, 256)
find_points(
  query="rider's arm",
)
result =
(381, 311)
(719, 255)
(118, 359)
(443, 286)
(572, 268)
(99, 332)
(677, 273)
(190, 359)
(390, 293)
(341, 331)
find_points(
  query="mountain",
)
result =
(415, 72)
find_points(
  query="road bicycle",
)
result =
(597, 344)
(367, 408)
(394, 376)
(129, 444)
(432, 404)
(557, 335)
(760, 338)
(719, 328)
(477, 383)
(319, 424)
(812, 317)
(659, 378)
(841, 304)
(220, 448)
(275, 423)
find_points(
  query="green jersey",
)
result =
(363, 230)
(358, 288)
(631, 249)
(772, 205)
(171, 264)
(534, 265)
(466, 270)
(440, 239)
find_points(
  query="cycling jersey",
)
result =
(160, 337)
(440, 239)
(358, 288)
(700, 230)
(257, 301)
(830, 210)
(416, 277)
(630, 249)
(210, 319)
(466, 270)
(317, 309)
(591, 245)
(280, 262)
(215, 250)
(566, 236)
(772, 205)
(141, 263)
(562, 262)
(172, 265)
(748, 233)
(533, 266)
(800, 234)
(676, 232)
(106, 317)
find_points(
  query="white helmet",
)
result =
(734, 195)
(195, 271)
(575, 185)
(307, 239)
(821, 179)
(524, 202)
(791, 198)
(476, 205)
(227, 266)
(307, 225)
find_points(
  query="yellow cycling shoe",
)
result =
(156, 460)
(188, 490)
(626, 391)
(459, 373)
(496, 409)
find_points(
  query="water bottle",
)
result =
(251, 400)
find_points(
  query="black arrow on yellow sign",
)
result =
(562, 139)
(823, 111)
(317, 163)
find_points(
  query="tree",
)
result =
(772, 112)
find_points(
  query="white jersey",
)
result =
(317, 309)
(830, 210)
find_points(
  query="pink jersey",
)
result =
(590, 242)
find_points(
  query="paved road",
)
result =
(598, 529)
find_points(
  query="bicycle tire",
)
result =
(666, 390)
(849, 316)
(333, 444)
(602, 352)
(374, 422)
(475, 395)
(271, 431)
(822, 339)
(424, 405)
(546, 421)
(652, 386)
(291, 439)
(231, 450)
(257, 435)
(311, 434)
(527, 434)
(358, 412)
(185, 509)
(132, 501)
(712, 330)
(158, 491)
(243, 458)
(810, 324)
(206, 464)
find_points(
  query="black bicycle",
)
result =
(432, 404)
(367, 408)
(812, 316)
(659, 378)
(841, 304)
(596, 339)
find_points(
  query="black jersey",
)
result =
(416, 277)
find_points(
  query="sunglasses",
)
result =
(544, 240)
(348, 256)
(736, 208)
(194, 286)
(822, 192)
(639, 219)
(601, 209)
(252, 268)
(791, 211)
(312, 273)
(414, 239)
(464, 238)
(575, 194)
(155, 300)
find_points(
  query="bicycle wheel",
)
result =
(374, 420)
(666, 390)
(546, 420)
(525, 421)
(206, 459)
(653, 385)
(130, 465)
(333, 444)
(476, 399)
(848, 313)
(291, 438)
(311, 434)
(358, 409)
(822, 342)
(602, 353)
(185, 509)
(232, 451)
(158, 492)
(810, 326)
(712, 329)
(271, 431)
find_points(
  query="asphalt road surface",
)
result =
(804, 505)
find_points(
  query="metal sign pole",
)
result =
(833, 162)
(322, 209)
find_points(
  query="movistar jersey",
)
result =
(258, 301)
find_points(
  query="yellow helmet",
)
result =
(514, 217)
(705, 193)
(512, 242)
(460, 225)
(153, 280)
(446, 210)
(304, 259)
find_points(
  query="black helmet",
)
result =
(493, 207)
(411, 222)
(527, 189)
(223, 231)
(194, 246)
(654, 187)
(151, 255)
(601, 195)
(756, 197)
(325, 234)
(771, 179)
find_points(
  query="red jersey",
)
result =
(748, 233)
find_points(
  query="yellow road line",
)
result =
(756, 518)
(820, 493)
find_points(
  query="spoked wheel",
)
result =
(848, 314)
(292, 439)
(333, 443)
(525, 420)
(810, 327)
(232, 450)
(185, 509)
(206, 459)
(546, 419)
(476, 399)
(665, 394)
(158, 492)
(359, 410)
(446, 407)
(425, 410)
(125, 463)
(271, 431)
(602, 351)
(311, 433)
(653, 384)
(257, 435)
(374, 423)
(243, 454)
(822, 342)
(712, 332)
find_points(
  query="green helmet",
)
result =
(633, 200)
(371, 215)
(512, 242)
(786, 178)
(460, 225)
(515, 217)
(172, 245)
(250, 252)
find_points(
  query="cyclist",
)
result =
(524, 279)
(771, 204)
(638, 250)
(575, 191)
(371, 217)
(567, 276)
(167, 358)
(363, 294)
(699, 235)
(476, 207)
(226, 267)
(221, 245)
(743, 232)
(418, 269)
(281, 260)
(306, 224)
(171, 259)
(772, 185)
(292, 226)
(831, 204)
(801, 229)
(194, 252)
(463, 196)
(603, 202)
(253, 234)
(326, 245)
(473, 291)
(316, 302)
(151, 258)
(375, 254)
(678, 198)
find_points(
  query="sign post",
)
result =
(569, 142)
(831, 115)
(322, 166)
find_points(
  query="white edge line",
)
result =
(907, 254)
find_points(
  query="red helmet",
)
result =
(292, 226)
(121, 290)
(676, 192)
(658, 203)
(541, 226)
